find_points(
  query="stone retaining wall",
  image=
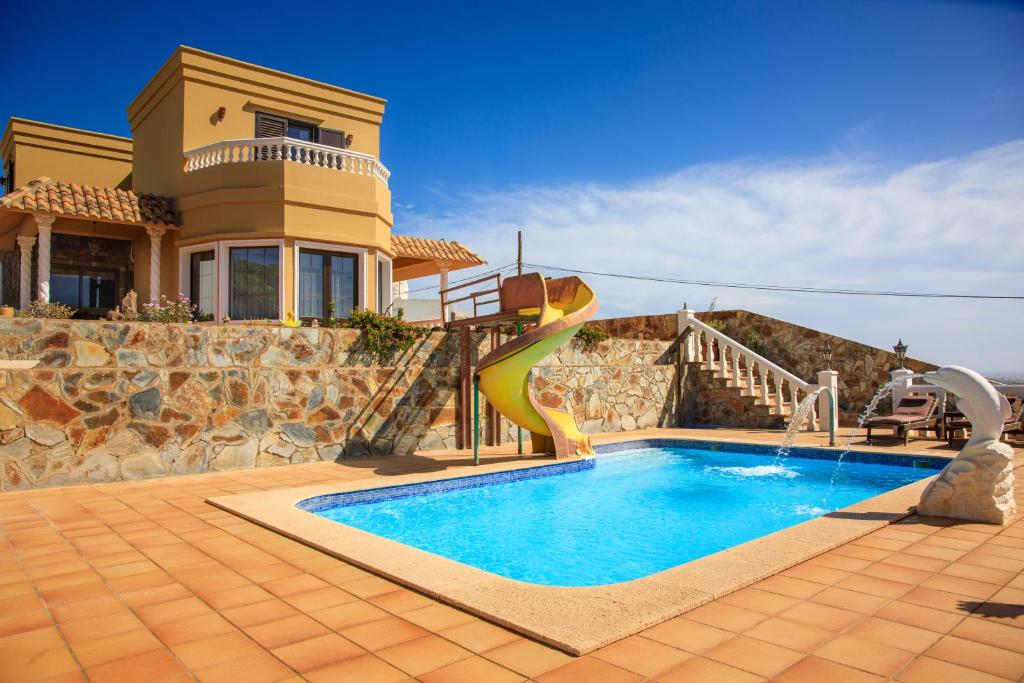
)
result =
(112, 401)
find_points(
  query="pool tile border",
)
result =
(575, 619)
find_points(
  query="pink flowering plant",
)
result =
(166, 310)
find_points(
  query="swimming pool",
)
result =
(620, 516)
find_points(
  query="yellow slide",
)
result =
(504, 373)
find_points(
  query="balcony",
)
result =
(256, 150)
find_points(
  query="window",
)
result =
(324, 277)
(9, 177)
(253, 283)
(270, 126)
(90, 290)
(383, 284)
(202, 283)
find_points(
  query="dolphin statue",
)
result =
(977, 484)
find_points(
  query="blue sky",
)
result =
(503, 114)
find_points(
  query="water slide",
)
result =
(560, 307)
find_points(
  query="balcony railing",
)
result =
(288, 149)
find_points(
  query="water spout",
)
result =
(799, 417)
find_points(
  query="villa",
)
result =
(258, 492)
(253, 192)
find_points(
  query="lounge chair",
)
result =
(1013, 422)
(915, 411)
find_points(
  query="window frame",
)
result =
(361, 277)
(317, 129)
(224, 275)
(185, 273)
(388, 293)
(80, 271)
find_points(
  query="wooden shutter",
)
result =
(268, 126)
(332, 138)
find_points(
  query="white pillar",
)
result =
(902, 388)
(443, 286)
(156, 234)
(26, 242)
(689, 350)
(830, 379)
(44, 224)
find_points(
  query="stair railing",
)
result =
(766, 388)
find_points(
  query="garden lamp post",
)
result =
(826, 354)
(901, 353)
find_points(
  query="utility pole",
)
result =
(519, 257)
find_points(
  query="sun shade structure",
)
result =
(420, 256)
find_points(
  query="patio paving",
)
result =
(145, 581)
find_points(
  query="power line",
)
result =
(777, 288)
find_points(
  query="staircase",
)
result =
(741, 387)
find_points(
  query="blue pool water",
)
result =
(616, 517)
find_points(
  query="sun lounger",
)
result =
(915, 411)
(1013, 422)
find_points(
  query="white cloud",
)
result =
(954, 225)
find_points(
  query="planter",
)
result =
(6, 311)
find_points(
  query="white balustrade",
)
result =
(288, 149)
(761, 372)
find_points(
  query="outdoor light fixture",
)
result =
(826, 354)
(348, 140)
(901, 353)
(220, 113)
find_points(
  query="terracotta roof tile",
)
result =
(433, 250)
(87, 201)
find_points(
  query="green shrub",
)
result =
(588, 337)
(384, 334)
(53, 310)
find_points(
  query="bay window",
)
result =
(202, 283)
(253, 282)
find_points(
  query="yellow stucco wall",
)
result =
(68, 154)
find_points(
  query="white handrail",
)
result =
(705, 336)
(251, 150)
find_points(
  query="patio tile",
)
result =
(755, 656)
(785, 585)
(24, 621)
(928, 670)
(258, 668)
(884, 588)
(815, 670)
(83, 609)
(192, 628)
(701, 669)
(156, 666)
(790, 634)
(422, 655)
(980, 656)
(577, 671)
(286, 631)
(382, 633)
(478, 636)
(206, 652)
(687, 635)
(237, 597)
(920, 616)
(990, 633)
(895, 572)
(292, 585)
(319, 598)
(937, 599)
(850, 600)
(973, 571)
(400, 601)
(759, 601)
(527, 657)
(865, 655)
(822, 616)
(94, 651)
(174, 610)
(33, 655)
(725, 617)
(893, 633)
(350, 614)
(364, 668)
(816, 574)
(318, 652)
(437, 617)
(259, 613)
(641, 655)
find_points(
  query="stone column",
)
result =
(830, 379)
(156, 234)
(25, 243)
(44, 224)
(900, 390)
(444, 285)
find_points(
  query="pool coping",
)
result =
(577, 620)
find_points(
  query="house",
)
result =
(253, 192)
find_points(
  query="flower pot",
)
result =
(6, 311)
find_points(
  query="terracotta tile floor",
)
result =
(146, 582)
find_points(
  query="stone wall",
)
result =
(862, 368)
(112, 401)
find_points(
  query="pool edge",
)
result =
(577, 620)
